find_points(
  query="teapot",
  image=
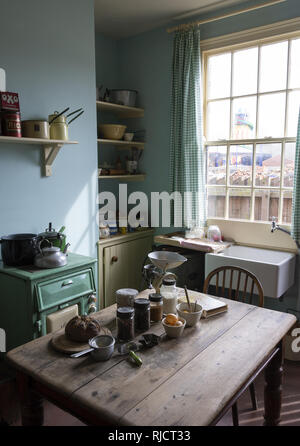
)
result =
(51, 256)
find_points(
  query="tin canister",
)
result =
(59, 127)
(9, 101)
(35, 129)
(11, 124)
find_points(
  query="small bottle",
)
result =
(142, 314)
(168, 291)
(125, 297)
(125, 323)
(156, 307)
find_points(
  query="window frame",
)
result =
(253, 141)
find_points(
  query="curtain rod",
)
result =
(223, 16)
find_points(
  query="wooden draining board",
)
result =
(204, 245)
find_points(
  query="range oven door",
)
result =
(57, 317)
(60, 299)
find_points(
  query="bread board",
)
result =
(62, 344)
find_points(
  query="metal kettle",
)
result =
(51, 257)
(57, 238)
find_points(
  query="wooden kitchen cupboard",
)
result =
(120, 263)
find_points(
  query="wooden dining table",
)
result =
(189, 381)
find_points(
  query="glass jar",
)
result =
(125, 323)
(125, 297)
(142, 314)
(168, 291)
(156, 307)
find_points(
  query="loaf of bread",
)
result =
(82, 328)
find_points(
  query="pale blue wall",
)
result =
(107, 75)
(48, 52)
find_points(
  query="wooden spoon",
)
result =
(187, 298)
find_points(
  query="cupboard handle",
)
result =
(114, 259)
(67, 283)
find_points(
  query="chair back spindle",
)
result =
(242, 276)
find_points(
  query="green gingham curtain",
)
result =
(187, 163)
(296, 192)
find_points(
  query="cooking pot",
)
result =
(57, 239)
(19, 249)
(58, 126)
(125, 97)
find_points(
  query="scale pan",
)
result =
(166, 260)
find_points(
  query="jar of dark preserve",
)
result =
(156, 307)
(125, 323)
(142, 314)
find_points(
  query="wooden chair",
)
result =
(239, 292)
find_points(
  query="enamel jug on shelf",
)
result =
(58, 126)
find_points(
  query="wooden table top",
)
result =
(185, 381)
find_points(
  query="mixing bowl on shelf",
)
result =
(112, 131)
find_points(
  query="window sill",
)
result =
(254, 233)
(253, 222)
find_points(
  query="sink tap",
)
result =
(275, 226)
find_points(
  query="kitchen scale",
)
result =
(161, 263)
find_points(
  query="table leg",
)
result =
(32, 409)
(273, 389)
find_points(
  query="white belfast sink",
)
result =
(274, 269)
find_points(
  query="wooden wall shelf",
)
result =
(137, 177)
(121, 110)
(122, 144)
(50, 147)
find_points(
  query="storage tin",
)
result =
(35, 129)
(11, 124)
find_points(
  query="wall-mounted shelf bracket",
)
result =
(50, 148)
(50, 153)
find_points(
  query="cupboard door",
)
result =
(123, 266)
(116, 271)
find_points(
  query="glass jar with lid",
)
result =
(142, 314)
(125, 323)
(125, 297)
(168, 291)
(156, 307)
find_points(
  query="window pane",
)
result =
(268, 165)
(240, 160)
(271, 111)
(216, 165)
(216, 201)
(218, 120)
(287, 207)
(244, 118)
(294, 80)
(289, 164)
(266, 205)
(218, 76)
(293, 112)
(239, 203)
(273, 66)
(245, 72)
